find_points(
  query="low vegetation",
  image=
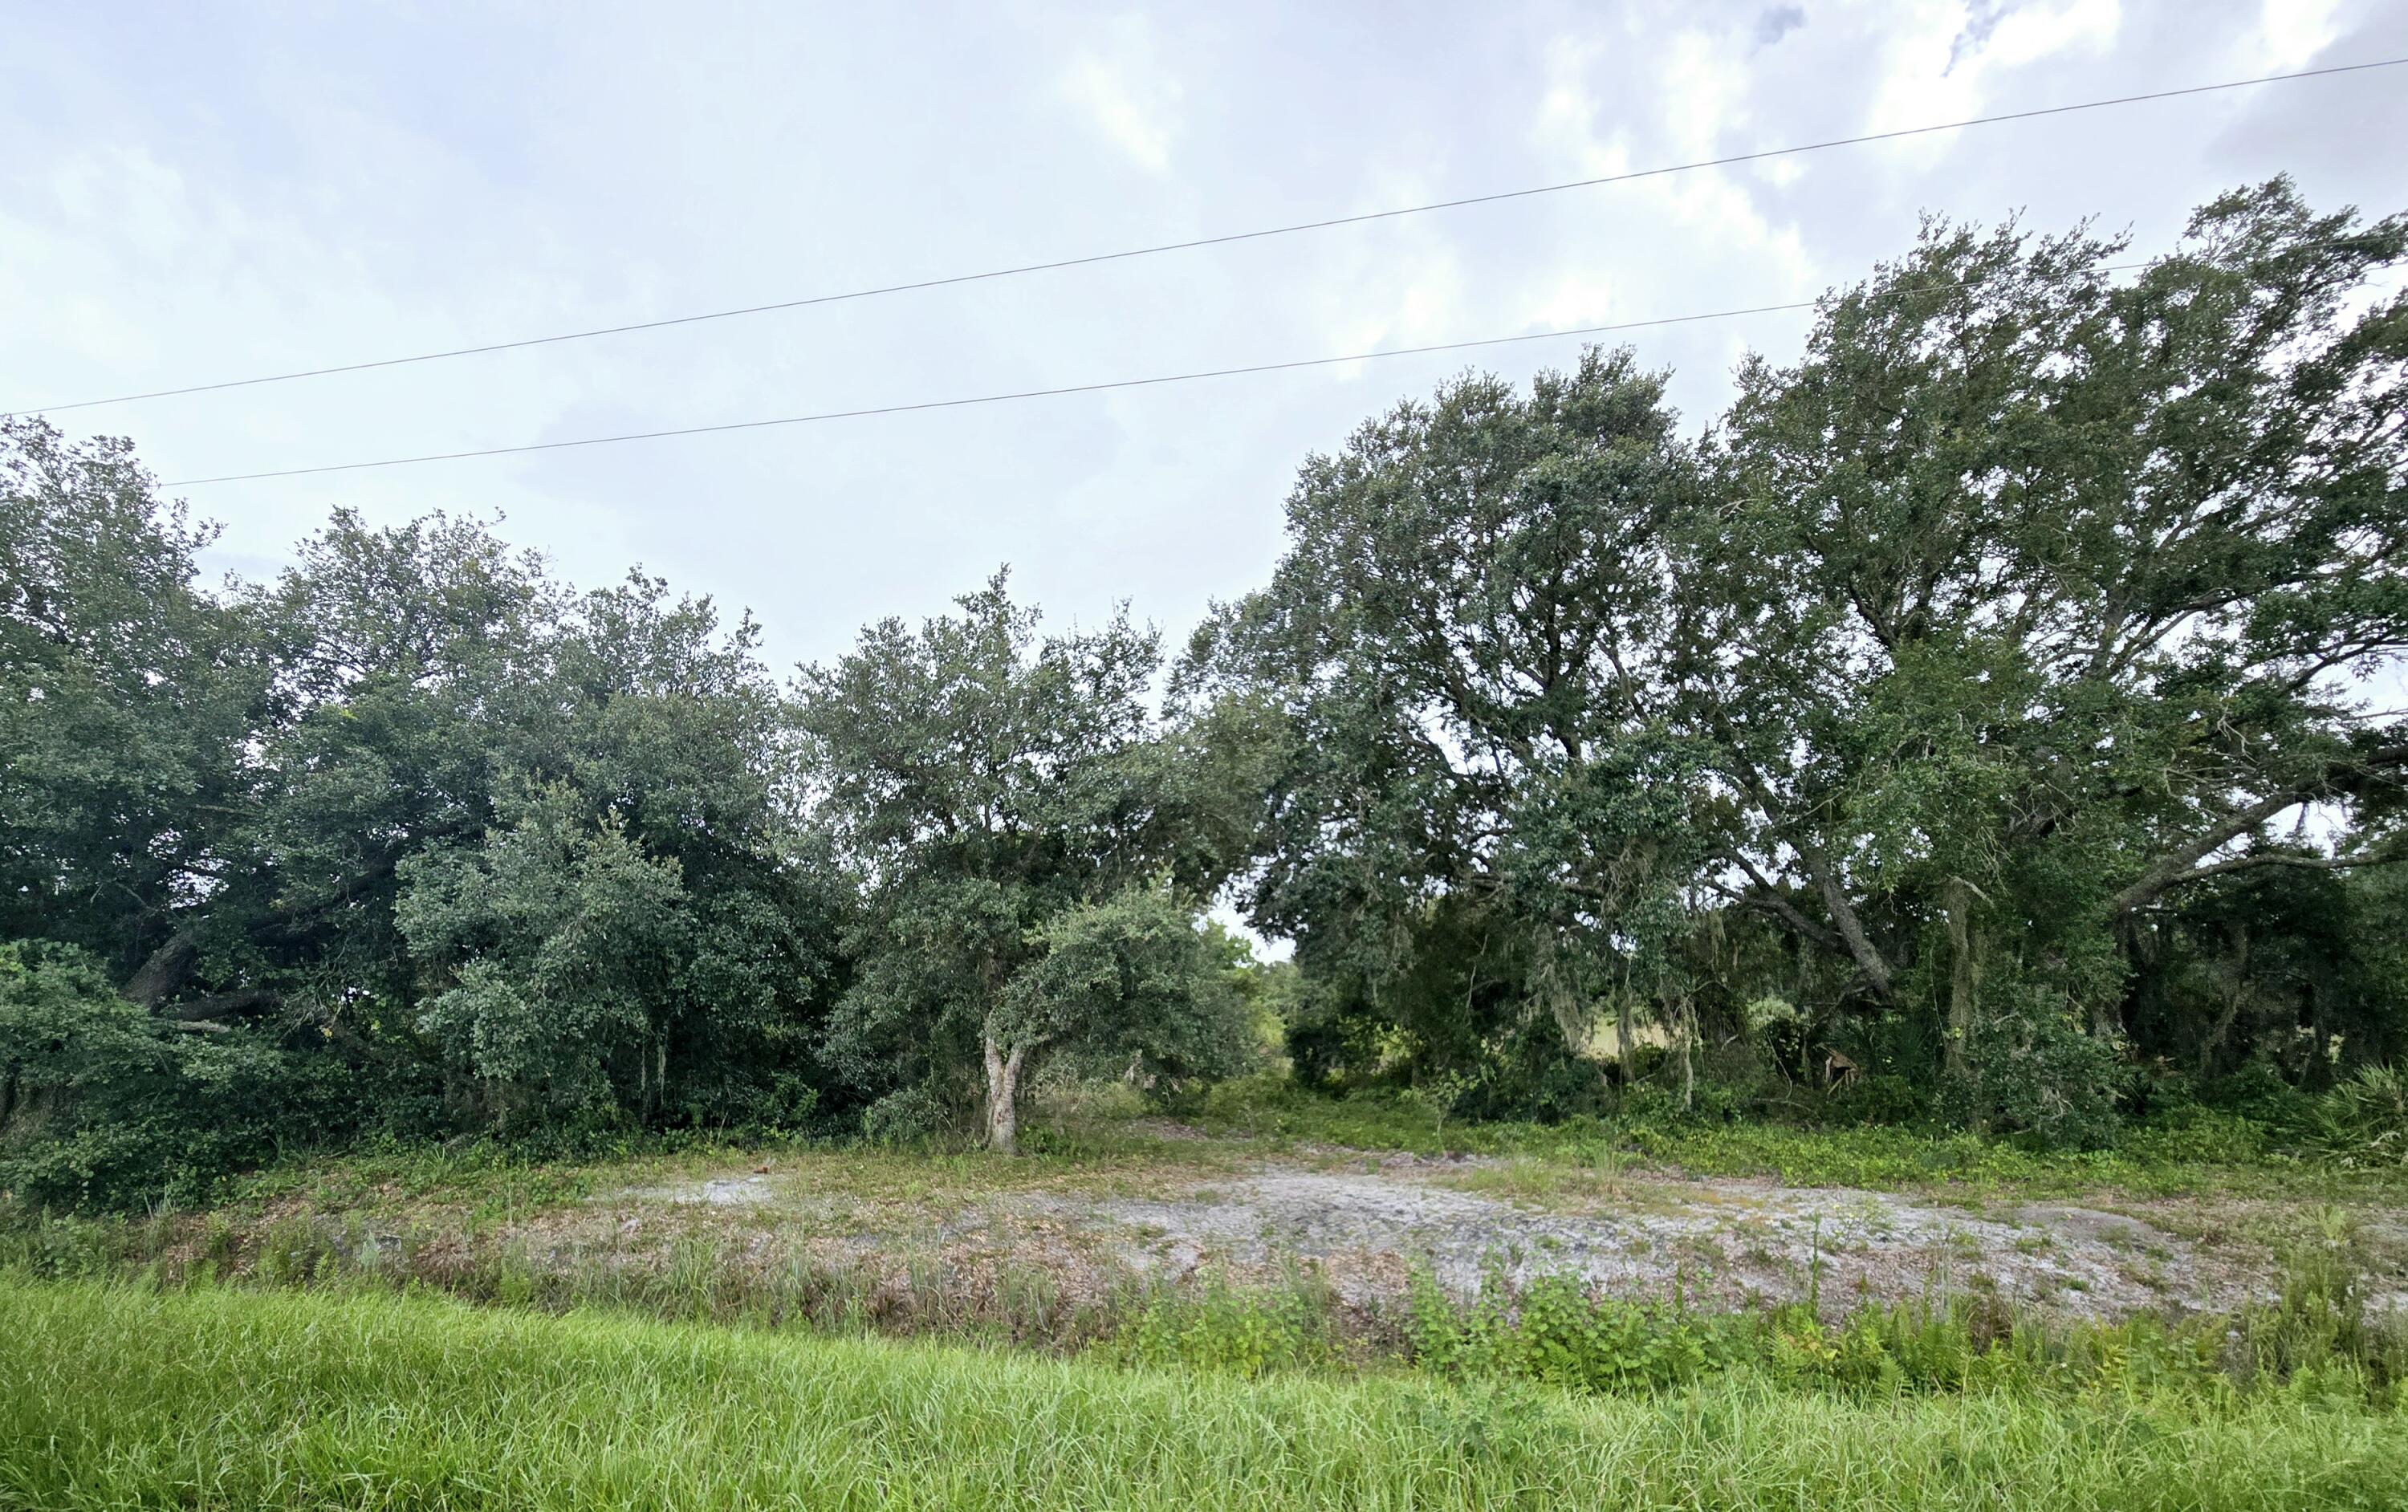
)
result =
(860, 1251)
(114, 1397)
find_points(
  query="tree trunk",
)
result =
(2181, 865)
(1961, 977)
(165, 971)
(1003, 1095)
(1688, 1055)
(2235, 988)
(221, 1005)
(1852, 929)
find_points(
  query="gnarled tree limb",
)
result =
(248, 1000)
(2182, 864)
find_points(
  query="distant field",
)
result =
(116, 1397)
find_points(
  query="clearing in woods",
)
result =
(1162, 1203)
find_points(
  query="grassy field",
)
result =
(115, 1397)
(491, 1326)
(847, 1238)
(2200, 1152)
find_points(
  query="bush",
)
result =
(102, 1105)
(1882, 1097)
(2036, 1070)
(910, 1113)
(2258, 1094)
(2365, 1118)
(1553, 1332)
(1239, 1333)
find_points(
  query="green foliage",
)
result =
(2365, 1118)
(1948, 693)
(2030, 590)
(410, 820)
(311, 1398)
(2032, 1065)
(1133, 980)
(1013, 820)
(1553, 1332)
(633, 934)
(126, 693)
(1921, 740)
(1475, 798)
(103, 1105)
(2315, 1342)
(582, 937)
(1227, 1332)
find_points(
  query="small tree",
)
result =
(1012, 818)
(629, 934)
(565, 945)
(128, 695)
(1129, 979)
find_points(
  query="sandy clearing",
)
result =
(1368, 1230)
(1722, 1238)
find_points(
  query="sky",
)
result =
(195, 194)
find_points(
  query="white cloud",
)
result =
(2030, 33)
(1579, 298)
(1943, 58)
(1704, 86)
(2291, 32)
(1127, 95)
(1567, 118)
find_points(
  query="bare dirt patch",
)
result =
(1726, 1239)
(1368, 1229)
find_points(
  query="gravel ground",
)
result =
(1369, 1228)
(1730, 1239)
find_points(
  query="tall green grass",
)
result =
(114, 1396)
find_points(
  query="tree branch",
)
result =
(1769, 900)
(165, 968)
(1852, 929)
(1852, 937)
(2276, 858)
(2181, 865)
(248, 1000)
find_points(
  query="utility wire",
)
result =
(1059, 392)
(1233, 237)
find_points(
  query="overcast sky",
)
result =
(192, 193)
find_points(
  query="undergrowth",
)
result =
(2316, 1342)
(117, 1396)
(2193, 1151)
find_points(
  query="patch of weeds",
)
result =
(1553, 1332)
(1237, 1332)
(2315, 1346)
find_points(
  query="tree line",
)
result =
(1995, 709)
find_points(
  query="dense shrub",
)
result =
(103, 1105)
(2365, 1118)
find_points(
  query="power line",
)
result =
(1052, 393)
(990, 398)
(1227, 238)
